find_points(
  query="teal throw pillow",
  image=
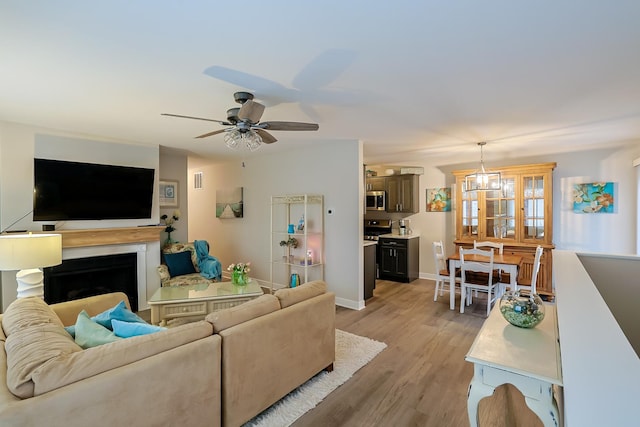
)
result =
(179, 263)
(118, 312)
(90, 334)
(71, 330)
(126, 329)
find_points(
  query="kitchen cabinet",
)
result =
(402, 193)
(376, 183)
(298, 217)
(518, 215)
(369, 269)
(400, 258)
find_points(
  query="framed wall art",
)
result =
(594, 197)
(229, 203)
(439, 199)
(168, 194)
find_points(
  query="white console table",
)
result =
(527, 358)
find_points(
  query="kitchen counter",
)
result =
(366, 243)
(398, 236)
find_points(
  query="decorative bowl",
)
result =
(522, 309)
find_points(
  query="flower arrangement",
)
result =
(241, 267)
(239, 273)
(169, 220)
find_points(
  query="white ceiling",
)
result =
(411, 79)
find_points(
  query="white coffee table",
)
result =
(173, 302)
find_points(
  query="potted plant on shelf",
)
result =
(291, 242)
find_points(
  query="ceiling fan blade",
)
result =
(196, 118)
(267, 138)
(251, 111)
(289, 126)
(215, 132)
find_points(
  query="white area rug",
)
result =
(352, 353)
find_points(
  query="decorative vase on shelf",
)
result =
(239, 278)
(522, 309)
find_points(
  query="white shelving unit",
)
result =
(307, 260)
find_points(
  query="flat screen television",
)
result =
(88, 191)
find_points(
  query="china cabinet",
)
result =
(519, 215)
(299, 219)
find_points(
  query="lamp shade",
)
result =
(24, 251)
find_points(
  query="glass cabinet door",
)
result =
(533, 208)
(500, 211)
(469, 212)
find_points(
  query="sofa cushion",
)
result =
(25, 312)
(179, 263)
(61, 371)
(290, 296)
(89, 333)
(35, 336)
(223, 319)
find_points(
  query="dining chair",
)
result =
(481, 278)
(442, 272)
(493, 245)
(534, 271)
(498, 274)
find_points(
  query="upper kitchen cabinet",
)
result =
(376, 183)
(402, 193)
(519, 215)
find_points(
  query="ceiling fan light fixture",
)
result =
(252, 140)
(232, 138)
(481, 180)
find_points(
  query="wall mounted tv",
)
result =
(89, 191)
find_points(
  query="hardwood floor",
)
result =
(421, 378)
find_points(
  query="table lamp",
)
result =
(28, 253)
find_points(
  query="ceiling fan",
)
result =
(245, 125)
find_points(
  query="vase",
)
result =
(239, 278)
(522, 309)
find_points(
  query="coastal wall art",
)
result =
(229, 203)
(438, 199)
(594, 197)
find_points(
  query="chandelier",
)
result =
(235, 138)
(482, 180)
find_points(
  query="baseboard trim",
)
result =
(351, 304)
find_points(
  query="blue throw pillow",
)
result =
(119, 312)
(71, 330)
(90, 334)
(126, 329)
(179, 263)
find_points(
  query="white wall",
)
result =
(173, 167)
(19, 144)
(332, 169)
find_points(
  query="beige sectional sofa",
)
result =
(220, 371)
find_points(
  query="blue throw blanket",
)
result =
(209, 266)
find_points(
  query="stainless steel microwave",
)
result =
(376, 201)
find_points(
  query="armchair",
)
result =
(180, 266)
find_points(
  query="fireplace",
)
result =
(83, 277)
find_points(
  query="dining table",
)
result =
(509, 263)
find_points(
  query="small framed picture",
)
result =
(168, 194)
